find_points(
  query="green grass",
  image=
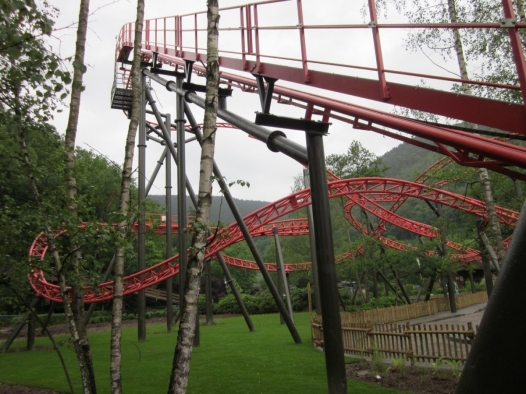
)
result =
(230, 360)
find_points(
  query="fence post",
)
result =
(410, 339)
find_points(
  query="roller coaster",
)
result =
(249, 64)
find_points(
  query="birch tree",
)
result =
(183, 351)
(30, 77)
(77, 327)
(118, 273)
(451, 44)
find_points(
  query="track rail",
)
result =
(261, 221)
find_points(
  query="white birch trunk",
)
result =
(116, 322)
(77, 289)
(183, 351)
(483, 172)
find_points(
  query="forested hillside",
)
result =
(407, 161)
(220, 210)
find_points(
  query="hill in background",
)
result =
(405, 161)
(220, 209)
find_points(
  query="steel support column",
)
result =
(230, 282)
(156, 170)
(8, 342)
(284, 279)
(168, 203)
(250, 242)
(331, 321)
(208, 293)
(312, 241)
(280, 143)
(141, 315)
(280, 284)
(495, 363)
(230, 202)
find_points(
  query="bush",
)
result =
(226, 305)
(299, 299)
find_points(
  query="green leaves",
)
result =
(357, 162)
(79, 66)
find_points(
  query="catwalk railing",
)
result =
(366, 332)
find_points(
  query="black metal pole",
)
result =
(169, 144)
(495, 363)
(430, 288)
(168, 203)
(237, 296)
(208, 294)
(141, 236)
(280, 277)
(248, 238)
(31, 328)
(156, 170)
(331, 321)
(9, 341)
(314, 267)
(50, 315)
(284, 280)
(280, 143)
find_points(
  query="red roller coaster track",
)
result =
(176, 39)
(263, 220)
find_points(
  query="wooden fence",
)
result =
(413, 311)
(418, 343)
(372, 331)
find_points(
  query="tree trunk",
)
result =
(451, 291)
(483, 172)
(471, 280)
(117, 307)
(183, 351)
(366, 285)
(75, 337)
(375, 283)
(77, 288)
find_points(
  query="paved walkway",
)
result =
(471, 314)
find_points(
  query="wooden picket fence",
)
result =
(407, 312)
(424, 343)
(372, 331)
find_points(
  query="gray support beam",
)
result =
(331, 320)
(156, 171)
(169, 144)
(230, 282)
(248, 238)
(312, 239)
(141, 236)
(168, 202)
(50, 315)
(495, 363)
(278, 142)
(208, 294)
(9, 341)
(284, 279)
(280, 285)
(31, 328)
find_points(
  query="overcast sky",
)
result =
(239, 157)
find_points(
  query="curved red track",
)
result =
(169, 37)
(261, 222)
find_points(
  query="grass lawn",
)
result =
(230, 360)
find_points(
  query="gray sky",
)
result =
(239, 157)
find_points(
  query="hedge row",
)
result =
(258, 303)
